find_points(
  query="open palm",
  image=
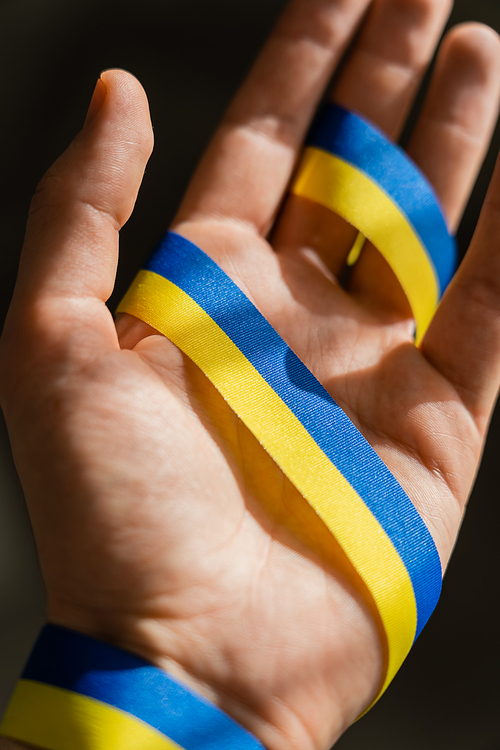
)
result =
(161, 524)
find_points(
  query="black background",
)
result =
(191, 55)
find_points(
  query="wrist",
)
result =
(301, 703)
(77, 689)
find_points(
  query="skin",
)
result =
(161, 525)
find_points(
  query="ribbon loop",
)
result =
(350, 167)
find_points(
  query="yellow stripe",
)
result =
(57, 719)
(356, 249)
(164, 306)
(337, 185)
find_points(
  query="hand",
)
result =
(154, 532)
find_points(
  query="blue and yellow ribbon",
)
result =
(78, 693)
(183, 294)
(350, 167)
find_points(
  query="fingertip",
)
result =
(474, 47)
(88, 194)
(119, 95)
(475, 32)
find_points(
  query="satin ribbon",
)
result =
(350, 167)
(183, 294)
(78, 693)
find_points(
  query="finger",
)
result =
(382, 76)
(248, 164)
(71, 244)
(449, 144)
(463, 340)
(455, 127)
(379, 80)
(68, 263)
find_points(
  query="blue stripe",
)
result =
(358, 142)
(73, 661)
(184, 264)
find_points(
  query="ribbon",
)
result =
(351, 168)
(187, 297)
(78, 693)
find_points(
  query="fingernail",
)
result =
(97, 101)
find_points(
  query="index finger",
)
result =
(248, 164)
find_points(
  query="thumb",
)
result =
(71, 246)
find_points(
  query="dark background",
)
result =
(191, 55)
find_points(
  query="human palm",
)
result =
(161, 523)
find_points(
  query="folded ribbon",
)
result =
(350, 167)
(183, 294)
